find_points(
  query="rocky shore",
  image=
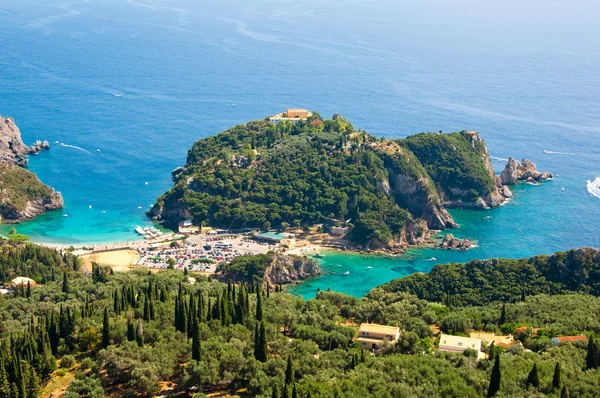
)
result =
(290, 268)
(22, 195)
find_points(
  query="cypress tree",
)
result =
(362, 355)
(286, 392)
(564, 393)
(65, 283)
(130, 328)
(53, 334)
(116, 303)
(53, 276)
(105, 330)
(152, 313)
(495, 378)
(502, 320)
(28, 290)
(260, 350)
(294, 392)
(268, 290)
(556, 382)
(196, 349)
(275, 393)
(289, 372)
(146, 315)
(492, 352)
(139, 334)
(533, 379)
(259, 309)
(592, 359)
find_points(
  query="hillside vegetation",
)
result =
(262, 175)
(130, 334)
(480, 282)
(19, 186)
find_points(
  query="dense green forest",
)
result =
(137, 333)
(263, 175)
(454, 161)
(479, 282)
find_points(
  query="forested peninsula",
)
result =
(265, 175)
(108, 334)
(22, 195)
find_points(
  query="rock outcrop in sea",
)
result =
(289, 268)
(450, 242)
(22, 195)
(524, 171)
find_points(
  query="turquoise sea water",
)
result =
(523, 73)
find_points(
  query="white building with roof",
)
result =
(371, 335)
(459, 344)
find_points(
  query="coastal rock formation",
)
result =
(22, 195)
(38, 147)
(525, 171)
(450, 242)
(288, 268)
(12, 149)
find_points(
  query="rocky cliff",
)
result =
(12, 148)
(288, 268)
(462, 170)
(22, 195)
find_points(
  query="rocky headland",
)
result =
(390, 193)
(290, 268)
(22, 195)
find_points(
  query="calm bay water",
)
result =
(523, 73)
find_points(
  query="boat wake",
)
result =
(556, 153)
(74, 147)
(499, 159)
(593, 187)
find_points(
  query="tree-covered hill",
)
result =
(262, 175)
(143, 334)
(479, 282)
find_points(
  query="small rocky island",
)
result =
(22, 195)
(309, 171)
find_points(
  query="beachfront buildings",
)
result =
(458, 344)
(370, 335)
(186, 227)
(292, 115)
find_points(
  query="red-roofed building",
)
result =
(569, 339)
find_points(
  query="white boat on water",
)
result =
(140, 230)
(593, 187)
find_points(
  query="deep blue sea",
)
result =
(525, 74)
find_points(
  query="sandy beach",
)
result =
(118, 260)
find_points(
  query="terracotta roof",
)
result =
(564, 339)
